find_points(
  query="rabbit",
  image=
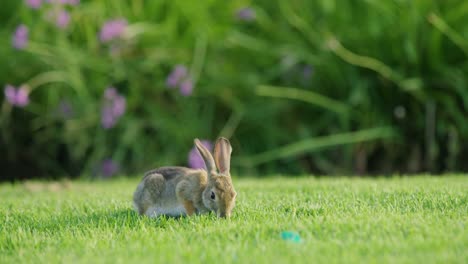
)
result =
(179, 191)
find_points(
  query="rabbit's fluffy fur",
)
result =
(177, 191)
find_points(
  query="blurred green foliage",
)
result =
(299, 86)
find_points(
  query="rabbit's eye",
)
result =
(213, 195)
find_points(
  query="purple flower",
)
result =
(113, 108)
(119, 105)
(177, 74)
(17, 97)
(108, 120)
(34, 4)
(20, 37)
(246, 14)
(109, 168)
(180, 77)
(112, 29)
(62, 19)
(194, 158)
(186, 87)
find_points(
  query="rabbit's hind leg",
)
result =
(148, 193)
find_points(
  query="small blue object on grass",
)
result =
(291, 236)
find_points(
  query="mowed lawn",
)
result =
(406, 220)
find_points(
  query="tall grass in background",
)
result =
(299, 86)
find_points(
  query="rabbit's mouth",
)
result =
(224, 214)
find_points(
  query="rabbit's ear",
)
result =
(207, 157)
(222, 155)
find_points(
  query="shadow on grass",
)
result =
(126, 217)
(106, 219)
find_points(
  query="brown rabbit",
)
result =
(176, 191)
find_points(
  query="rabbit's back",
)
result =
(169, 172)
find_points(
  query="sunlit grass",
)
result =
(416, 220)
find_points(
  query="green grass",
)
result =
(404, 220)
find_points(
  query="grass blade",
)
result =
(301, 95)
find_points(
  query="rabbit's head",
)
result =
(219, 195)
